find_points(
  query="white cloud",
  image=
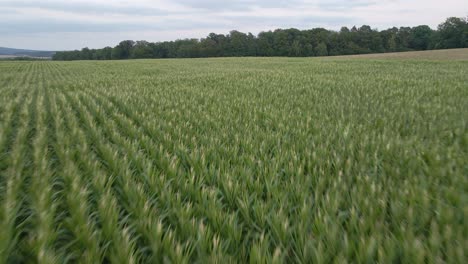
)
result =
(54, 24)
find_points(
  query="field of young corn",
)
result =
(236, 160)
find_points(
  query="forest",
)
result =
(452, 33)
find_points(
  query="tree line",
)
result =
(453, 33)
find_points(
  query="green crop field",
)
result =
(238, 160)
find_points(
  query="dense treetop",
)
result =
(453, 33)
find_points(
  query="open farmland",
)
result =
(237, 160)
(444, 54)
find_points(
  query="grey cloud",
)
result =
(204, 17)
(8, 12)
(237, 5)
(343, 5)
(303, 22)
(84, 8)
(31, 26)
(193, 18)
(53, 26)
(242, 5)
(34, 26)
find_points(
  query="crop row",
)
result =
(260, 160)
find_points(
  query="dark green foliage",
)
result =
(420, 38)
(321, 50)
(453, 33)
(141, 49)
(123, 50)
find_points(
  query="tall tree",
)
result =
(321, 49)
(453, 33)
(122, 51)
(141, 49)
(420, 37)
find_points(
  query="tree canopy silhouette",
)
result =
(453, 33)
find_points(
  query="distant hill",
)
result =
(26, 53)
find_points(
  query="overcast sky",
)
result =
(73, 24)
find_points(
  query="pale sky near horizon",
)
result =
(74, 24)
